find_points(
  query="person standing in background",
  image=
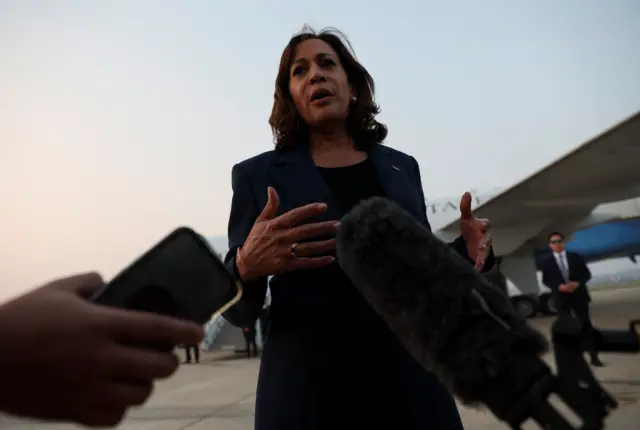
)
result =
(196, 353)
(249, 333)
(566, 274)
(284, 214)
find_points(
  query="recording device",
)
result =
(181, 277)
(459, 326)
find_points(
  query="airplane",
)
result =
(598, 182)
(614, 239)
(611, 230)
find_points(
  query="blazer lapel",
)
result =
(395, 181)
(556, 264)
(299, 182)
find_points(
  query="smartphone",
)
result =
(181, 277)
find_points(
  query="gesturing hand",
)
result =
(475, 232)
(273, 247)
(66, 359)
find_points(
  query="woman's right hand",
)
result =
(273, 247)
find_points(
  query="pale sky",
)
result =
(121, 119)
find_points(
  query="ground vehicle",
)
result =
(528, 305)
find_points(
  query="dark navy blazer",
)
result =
(329, 358)
(298, 182)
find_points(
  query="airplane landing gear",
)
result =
(526, 305)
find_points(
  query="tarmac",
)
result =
(219, 393)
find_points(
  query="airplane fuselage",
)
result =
(443, 211)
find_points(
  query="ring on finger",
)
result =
(293, 249)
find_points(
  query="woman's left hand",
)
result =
(475, 232)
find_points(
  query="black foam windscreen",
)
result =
(448, 316)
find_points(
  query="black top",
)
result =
(363, 380)
(349, 185)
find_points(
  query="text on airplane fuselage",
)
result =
(443, 206)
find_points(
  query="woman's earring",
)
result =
(354, 99)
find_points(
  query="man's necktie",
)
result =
(563, 267)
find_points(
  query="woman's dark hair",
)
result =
(287, 126)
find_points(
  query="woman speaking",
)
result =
(330, 361)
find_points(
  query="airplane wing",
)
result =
(602, 170)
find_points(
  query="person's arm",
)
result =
(553, 286)
(584, 274)
(244, 211)
(459, 244)
(51, 335)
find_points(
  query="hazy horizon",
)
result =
(120, 120)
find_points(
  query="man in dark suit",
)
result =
(249, 333)
(196, 353)
(567, 274)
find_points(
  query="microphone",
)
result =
(448, 316)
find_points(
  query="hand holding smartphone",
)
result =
(181, 277)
